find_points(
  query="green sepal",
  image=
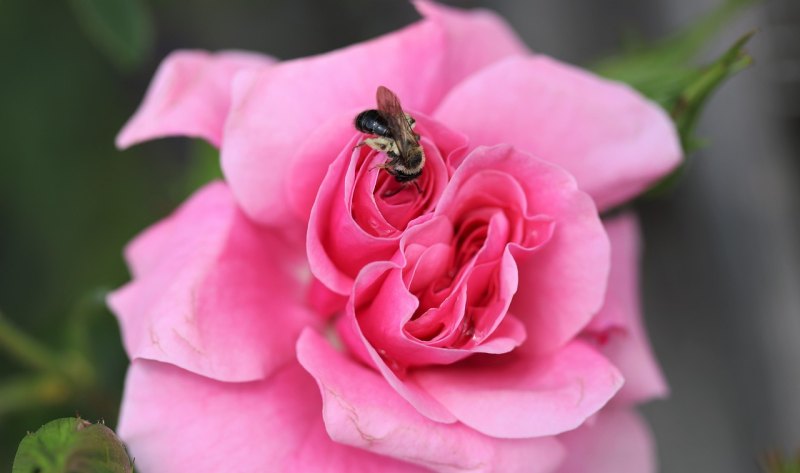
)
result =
(685, 107)
(657, 70)
(72, 445)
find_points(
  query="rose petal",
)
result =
(382, 306)
(312, 158)
(615, 142)
(174, 421)
(351, 334)
(616, 441)
(189, 95)
(618, 327)
(561, 283)
(212, 292)
(336, 246)
(275, 110)
(517, 396)
(360, 409)
(477, 37)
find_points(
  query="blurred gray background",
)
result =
(722, 265)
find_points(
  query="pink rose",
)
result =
(312, 314)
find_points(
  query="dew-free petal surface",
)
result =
(212, 292)
(190, 95)
(174, 421)
(518, 396)
(274, 110)
(619, 326)
(617, 440)
(360, 409)
(613, 140)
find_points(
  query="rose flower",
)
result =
(312, 313)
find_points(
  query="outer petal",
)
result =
(275, 110)
(360, 409)
(616, 441)
(212, 292)
(618, 327)
(515, 396)
(610, 138)
(190, 95)
(477, 38)
(174, 421)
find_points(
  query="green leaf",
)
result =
(72, 445)
(664, 73)
(205, 165)
(660, 68)
(121, 29)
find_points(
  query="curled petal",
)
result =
(561, 283)
(360, 409)
(174, 421)
(190, 95)
(614, 141)
(354, 338)
(383, 308)
(212, 292)
(354, 221)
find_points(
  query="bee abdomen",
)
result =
(405, 176)
(372, 122)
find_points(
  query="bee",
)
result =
(394, 135)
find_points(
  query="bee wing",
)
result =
(389, 106)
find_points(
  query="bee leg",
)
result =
(380, 166)
(381, 144)
(416, 184)
(387, 165)
(410, 120)
(394, 191)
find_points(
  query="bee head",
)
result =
(416, 158)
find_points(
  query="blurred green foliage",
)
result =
(122, 29)
(69, 202)
(775, 462)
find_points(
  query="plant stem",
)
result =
(24, 348)
(32, 391)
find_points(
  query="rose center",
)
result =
(382, 206)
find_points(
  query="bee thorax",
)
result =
(372, 122)
(394, 136)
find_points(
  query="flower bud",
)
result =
(72, 445)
